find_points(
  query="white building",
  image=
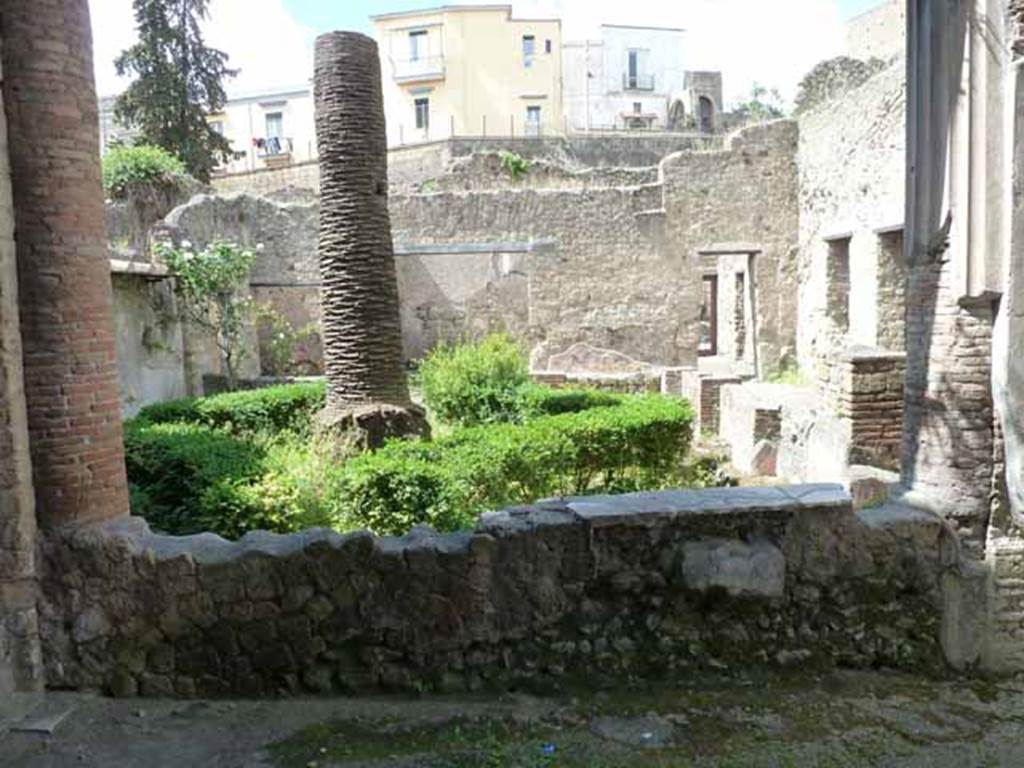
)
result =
(634, 78)
(268, 128)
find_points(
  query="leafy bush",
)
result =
(125, 167)
(515, 165)
(180, 473)
(638, 443)
(208, 284)
(480, 383)
(285, 407)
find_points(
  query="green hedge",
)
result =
(544, 401)
(180, 473)
(247, 460)
(285, 407)
(639, 443)
(475, 383)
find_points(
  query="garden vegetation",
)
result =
(250, 460)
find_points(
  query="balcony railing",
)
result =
(273, 146)
(422, 68)
(637, 82)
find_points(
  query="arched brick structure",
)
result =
(70, 368)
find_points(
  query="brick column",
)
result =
(20, 662)
(70, 369)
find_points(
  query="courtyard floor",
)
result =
(791, 719)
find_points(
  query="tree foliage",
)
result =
(178, 80)
(208, 282)
(128, 167)
(763, 105)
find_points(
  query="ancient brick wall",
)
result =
(645, 584)
(948, 443)
(70, 368)
(866, 388)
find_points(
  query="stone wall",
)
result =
(645, 584)
(411, 165)
(742, 200)
(150, 344)
(878, 33)
(263, 181)
(851, 160)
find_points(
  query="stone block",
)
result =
(742, 570)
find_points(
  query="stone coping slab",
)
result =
(638, 509)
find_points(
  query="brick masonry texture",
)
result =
(20, 663)
(654, 583)
(866, 387)
(71, 378)
(948, 441)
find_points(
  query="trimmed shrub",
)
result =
(285, 407)
(180, 473)
(125, 167)
(479, 383)
(544, 401)
(447, 483)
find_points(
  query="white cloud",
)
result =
(262, 39)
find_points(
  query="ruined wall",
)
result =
(745, 194)
(150, 345)
(642, 584)
(851, 160)
(414, 164)
(605, 281)
(878, 33)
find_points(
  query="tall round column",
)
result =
(70, 368)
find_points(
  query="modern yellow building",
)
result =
(469, 71)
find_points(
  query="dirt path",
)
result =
(841, 719)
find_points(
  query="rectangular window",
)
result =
(547, 46)
(837, 276)
(533, 121)
(707, 340)
(634, 67)
(274, 125)
(529, 44)
(217, 126)
(423, 114)
(417, 44)
(637, 107)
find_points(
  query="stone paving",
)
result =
(718, 718)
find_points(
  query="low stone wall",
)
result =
(649, 583)
(753, 412)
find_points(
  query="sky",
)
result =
(770, 42)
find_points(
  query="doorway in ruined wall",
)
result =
(706, 112)
(727, 332)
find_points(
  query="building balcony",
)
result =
(637, 82)
(418, 70)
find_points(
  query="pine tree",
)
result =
(178, 81)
